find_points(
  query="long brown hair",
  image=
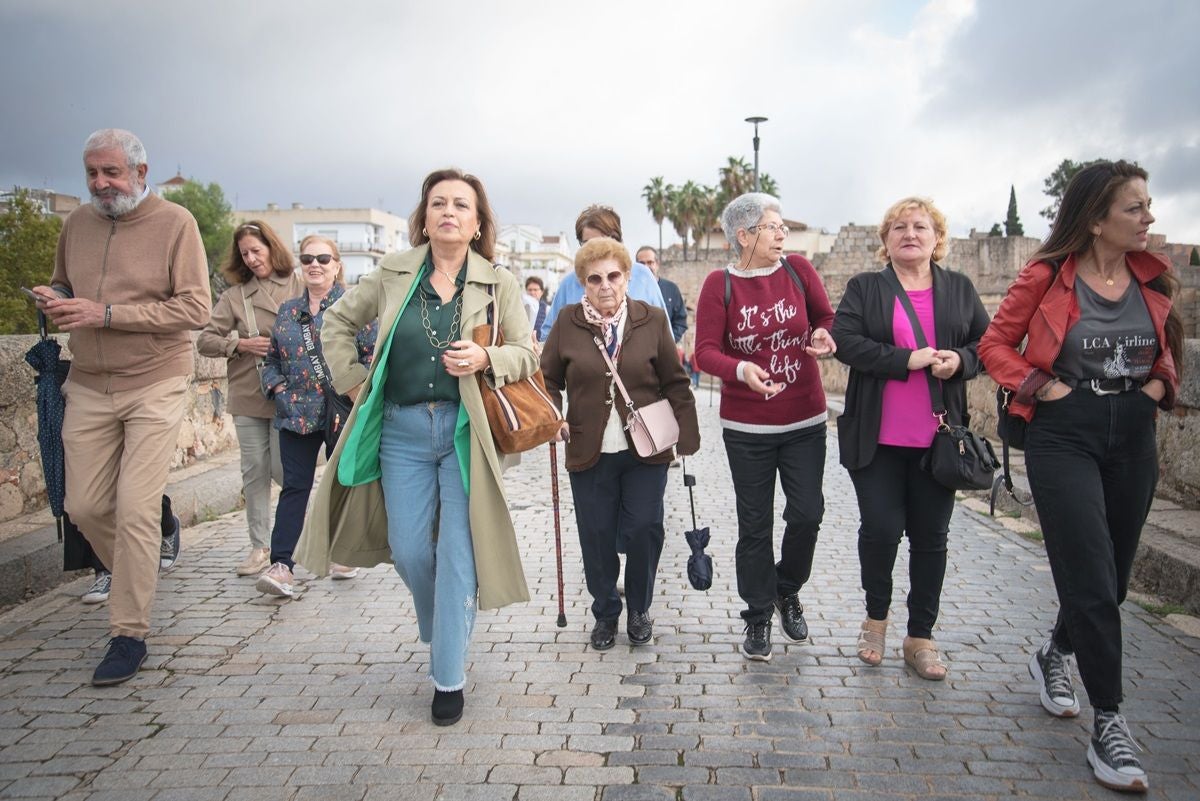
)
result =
(1086, 202)
(485, 245)
(235, 270)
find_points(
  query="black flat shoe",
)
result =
(447, 707)
(640, 628)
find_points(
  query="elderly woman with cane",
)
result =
(416, 477)
(615, 489)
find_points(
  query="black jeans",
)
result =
(1093, 466)
(897, 498)
(754, 459)
(620, 494)
(298, 454)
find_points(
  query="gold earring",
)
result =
(477, 234)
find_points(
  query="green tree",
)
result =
(1012, 223)
(1056, 184)
(767, 184)
(1194, 260)
(214, 216)
(28, 238)
(655, 195)
(736, 178)
(677, 213)
(995, 230)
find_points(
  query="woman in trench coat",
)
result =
(416, 294)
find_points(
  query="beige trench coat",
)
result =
(349, 524)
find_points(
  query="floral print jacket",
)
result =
(288, 375)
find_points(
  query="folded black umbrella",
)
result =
(45, 357)
(700, 566)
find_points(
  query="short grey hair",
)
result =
(106, 138)
(744, 211)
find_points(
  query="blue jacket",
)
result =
(288, 375)
(676, 308)
(642, 286)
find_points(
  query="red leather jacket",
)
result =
(1042, 305)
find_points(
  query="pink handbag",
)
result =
(653, 428)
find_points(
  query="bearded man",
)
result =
(130, 280)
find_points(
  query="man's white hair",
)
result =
(106, 138)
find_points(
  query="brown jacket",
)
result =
(149, 265)
(649, 367)
(220, 337)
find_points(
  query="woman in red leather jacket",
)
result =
(1102, 343)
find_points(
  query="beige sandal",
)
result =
(872, 639)
(922, 656)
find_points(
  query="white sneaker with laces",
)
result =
(277, 581)
(98, 592)
(1111, 754)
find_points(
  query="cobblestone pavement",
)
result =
(326, 697)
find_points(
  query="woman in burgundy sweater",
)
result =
(761, 324)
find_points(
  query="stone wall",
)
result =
(206, 428)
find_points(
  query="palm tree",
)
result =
(767, 184)
(737, 178)
(655, 194)
(677, 214)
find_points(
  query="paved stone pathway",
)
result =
(326, 697)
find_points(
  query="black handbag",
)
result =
(958, 458)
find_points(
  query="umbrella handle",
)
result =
(42, 325)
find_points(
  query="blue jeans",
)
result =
(423, 490)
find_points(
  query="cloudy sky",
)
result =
(559, 104)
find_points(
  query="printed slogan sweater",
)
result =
(767, 322)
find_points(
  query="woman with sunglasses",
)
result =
(616, 490)
(293, 376)
(261, 274)
(761, 325)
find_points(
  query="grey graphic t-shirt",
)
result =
(1113, 338)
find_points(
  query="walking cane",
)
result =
(562, 615)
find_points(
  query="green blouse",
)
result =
(415, 370)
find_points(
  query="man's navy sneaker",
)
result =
(122, 662)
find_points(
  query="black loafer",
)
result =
(604, 634)
(640, 628)
(447, 707)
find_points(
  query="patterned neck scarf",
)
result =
(607, 325)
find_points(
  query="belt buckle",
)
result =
(1096, 388)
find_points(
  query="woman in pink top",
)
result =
(888, 423)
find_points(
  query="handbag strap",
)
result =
(308, 337)
(935, 386)
(251, 325)
(491, 319)
(613, 369)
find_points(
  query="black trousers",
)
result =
(897, 498)
(298, 454)
(798, 457)
(1092, 462)
(620, 494)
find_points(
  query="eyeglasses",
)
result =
(596, 280)
(770, 228)
(322, 259)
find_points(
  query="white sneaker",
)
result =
(98, 593)
(342, 572)
(277, 581)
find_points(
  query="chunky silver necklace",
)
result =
(453, 335)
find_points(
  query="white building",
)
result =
(363, 236)
(526, 252)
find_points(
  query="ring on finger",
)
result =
(463, 363)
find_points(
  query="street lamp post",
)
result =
(756, 121)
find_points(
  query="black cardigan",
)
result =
(862, 329)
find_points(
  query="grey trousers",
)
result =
(259, 444)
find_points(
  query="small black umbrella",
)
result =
(699, 568)
(45, 357)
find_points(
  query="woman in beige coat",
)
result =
(260, 271)
(418, 447)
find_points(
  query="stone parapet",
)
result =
(206, 430)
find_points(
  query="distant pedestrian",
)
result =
(262, 275)
(535, 288)
(416, 478)
(130, 282)
(761, 325)
(675, 306)
(1104, 342)
(888, 423)
(299, 389)
(615, 490)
